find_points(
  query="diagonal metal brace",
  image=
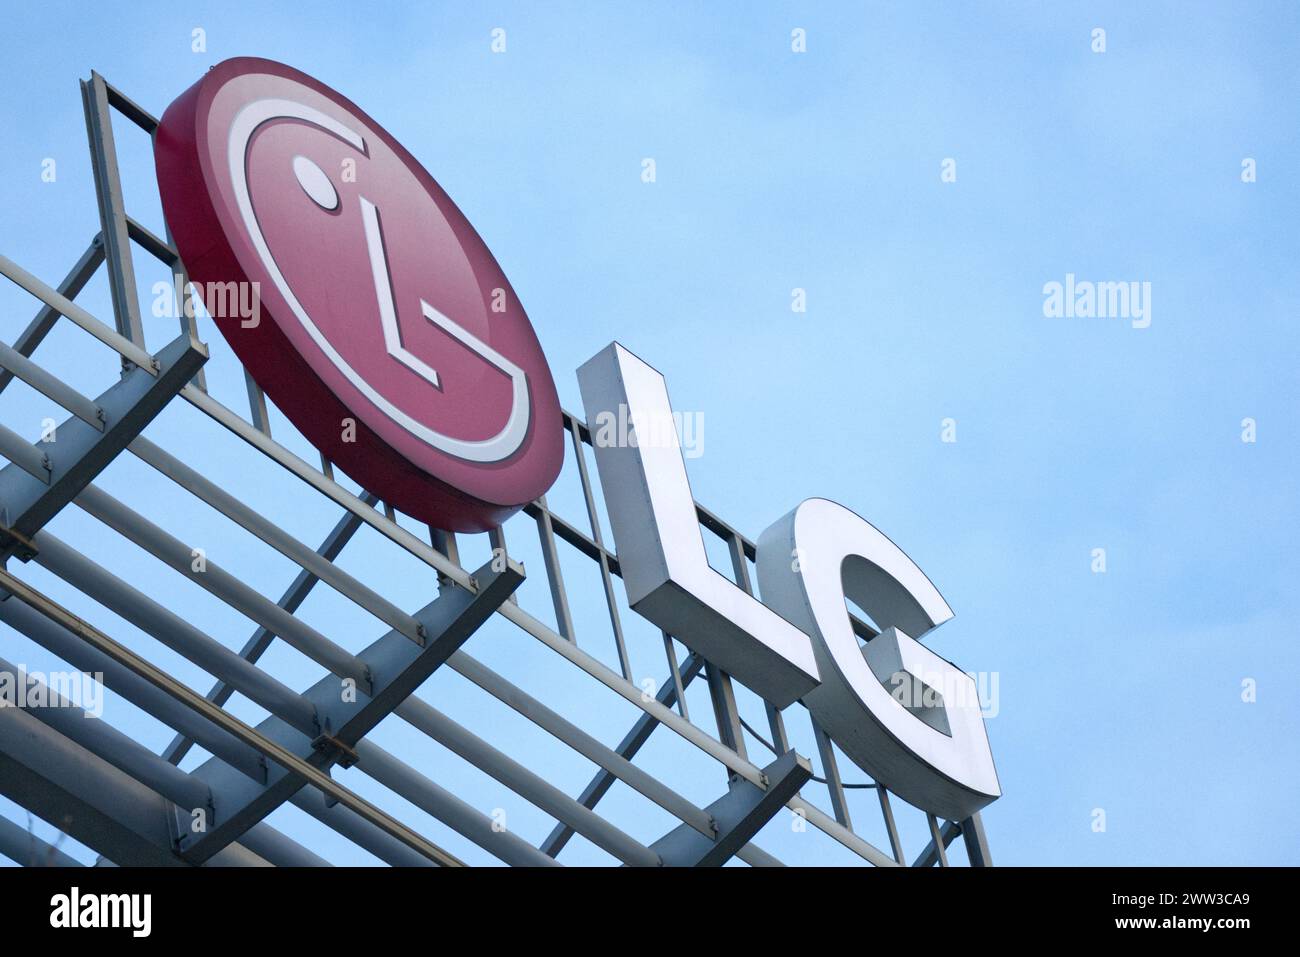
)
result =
(77, 451)
(344, 712)
(740, 814)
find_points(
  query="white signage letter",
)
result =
(899, 711)
(657, 534)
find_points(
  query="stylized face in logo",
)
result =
(386, 331)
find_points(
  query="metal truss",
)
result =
(134, 806)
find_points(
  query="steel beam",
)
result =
(247, 735)
(895, 843)
(711, 746)
(939, 841)
(471, 823)
(173, 631)
(147, 614)
(277, 848)
(358, 830)
(26, 849)
(229, 588)
(222, 744)
(627, 749)
(554, 575)
(102, 739)
(130, 109)
(740, 814)
(347, 715)
(831, 767)
(64, 306)
(305, 557)
(725, 712)
(156, 620)
(112, 209)
(128, 755)
(24, 456)
(582, 742)
(320, 482)
(977, 844)
(290, 601)
(71, 286)
(87, 798)
(78, 451)
(67, 647)
(529, 785)
(51, 386)
(620, 644)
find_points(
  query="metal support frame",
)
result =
(740, 569)
(936, 852)
(554, 576)
(627, 749)
(149, 769)
(269, 749)
(977, 844)
(725, 712)
(252, 770)
(112, 209)
(81, 448)
(887, 812)
(740, 814)
(72, 284)
(593, 519)
(338, 817)
(839, 801)
(25, 848)
(290, 601)
(343, 715)
(86, 797)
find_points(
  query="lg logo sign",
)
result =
(392, 340)
(390, 336)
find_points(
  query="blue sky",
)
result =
(1120, 691)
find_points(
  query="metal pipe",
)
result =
(582, 742)
(89, 799)
(26, 849)
(532, 787)
(47, 315)
(212, 578)
(220, 743)
(63, 644)
(124, 753)
(239, 729)
(65, 306)
(290, 601)
(326, 486)
(461, 817)
(112, 209)
(296, 551)
(24, 455)
(268, 843)
(174, 632)
(51, 386)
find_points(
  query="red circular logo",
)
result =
(380, 323)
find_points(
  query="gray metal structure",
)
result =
(133, 805)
